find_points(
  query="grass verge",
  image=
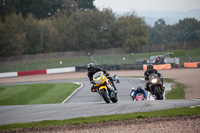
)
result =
(115, 117)
(177, 92)
(36, 93)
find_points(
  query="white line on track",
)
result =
(73, 92)
(196, 105)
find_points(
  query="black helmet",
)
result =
(91, 67)
(150, 68)
(139, 88)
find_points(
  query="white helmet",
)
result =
(132, 89)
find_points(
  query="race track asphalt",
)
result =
(84, 103)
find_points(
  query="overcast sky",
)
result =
(142, 5)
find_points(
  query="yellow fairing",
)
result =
(104, 81)
(103, 87)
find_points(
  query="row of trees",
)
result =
(42, 9)
(83, 30)
(41, 26)
(187, 29)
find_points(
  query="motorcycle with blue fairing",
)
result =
(105, 87)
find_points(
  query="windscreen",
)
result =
(153, 75)
(98, 74)
(139, 94)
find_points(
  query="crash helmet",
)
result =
(91, 67)
(139, 88)
(150, 68)
(158, 58)
(132, 89)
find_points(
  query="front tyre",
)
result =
(104, 94)
(158, 94)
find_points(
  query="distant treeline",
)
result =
(44, 26)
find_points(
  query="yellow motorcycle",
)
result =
(104, 87)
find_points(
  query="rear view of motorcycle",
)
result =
(104, 87)
(156, 86)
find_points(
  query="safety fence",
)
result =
(125, 61)
(105, 67)
(101, 57)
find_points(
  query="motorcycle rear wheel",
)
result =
(114, 99)
(105, 95)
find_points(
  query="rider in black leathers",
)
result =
(149, 71)
(92, 70)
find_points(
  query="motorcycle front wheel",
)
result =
(105, 95)
(157, 91)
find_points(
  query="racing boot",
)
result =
(115, 88)
(93, 89)
(163, 89)
(111, 85)
(133, 98)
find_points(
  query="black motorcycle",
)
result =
(156, 86)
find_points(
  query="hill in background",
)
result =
(170, 17)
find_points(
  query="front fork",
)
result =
(160, 85)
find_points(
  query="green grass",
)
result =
(177, 93)
(168, 80)
(114, 117)
(35, 93)
(104, 59)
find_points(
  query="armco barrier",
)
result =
(112, 67)
(81, 68)
(109, 67)
(35, 72)
(131, 67)
(158, 67)
(104, 67)
(191, 64)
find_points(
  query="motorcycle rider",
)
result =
(116, 78)
(138, 90)
(132, 91)
(149, 71)
(157, 60)
(92, 70)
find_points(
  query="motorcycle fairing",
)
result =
(103, 87)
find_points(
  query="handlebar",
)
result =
(92, 82)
